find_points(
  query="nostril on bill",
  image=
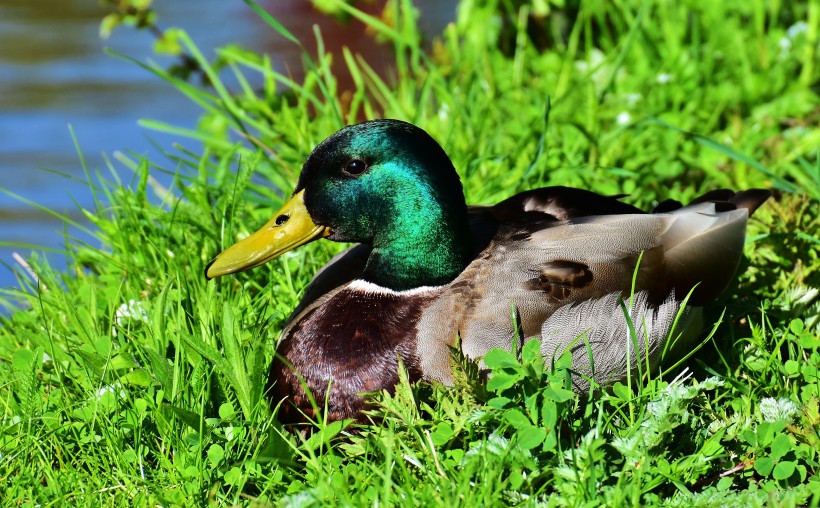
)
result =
(282, 219)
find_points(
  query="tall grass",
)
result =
(132, 380)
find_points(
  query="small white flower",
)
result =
(596, 58)
(782, 409)
(133, 309)
(664, 78)
(623, 118)
(116, 389)
(792, 33)
(797, 29)
(632, 99)
(444, 112)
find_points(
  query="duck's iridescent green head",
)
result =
(384, 183)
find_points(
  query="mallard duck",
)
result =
(428, 270)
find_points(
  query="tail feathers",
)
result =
(703, 244)
(750, 199)
(703, 248)
(601, 325)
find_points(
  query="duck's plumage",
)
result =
(560, 258)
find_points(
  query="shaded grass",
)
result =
(131, 380)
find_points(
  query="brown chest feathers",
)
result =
(347, 346)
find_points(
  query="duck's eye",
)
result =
(355, 167)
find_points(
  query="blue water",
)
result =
(54, 73)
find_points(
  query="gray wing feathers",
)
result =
(690, 247)
(599, 329)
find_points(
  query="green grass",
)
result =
(131, 380)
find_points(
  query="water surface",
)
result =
(54, 73)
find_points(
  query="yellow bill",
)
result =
(288, 229)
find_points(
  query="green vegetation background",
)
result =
(130, 380)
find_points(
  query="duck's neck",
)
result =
(424, 245)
